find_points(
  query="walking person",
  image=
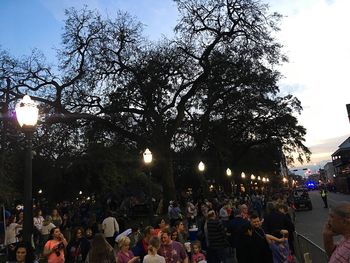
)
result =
(338, 225)
(78, 247)
(110, 228)
(324, 194)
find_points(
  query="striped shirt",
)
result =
(341, 254)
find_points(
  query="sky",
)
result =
(314, 34)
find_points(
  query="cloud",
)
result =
(314, 34)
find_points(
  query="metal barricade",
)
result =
(307, 251)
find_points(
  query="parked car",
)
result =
(300, 199)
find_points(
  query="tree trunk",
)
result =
(164, 167)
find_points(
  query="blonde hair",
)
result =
(123, 241)
(154, 244)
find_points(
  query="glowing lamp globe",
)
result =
(201, 166)
(147, 156)
(27, 112)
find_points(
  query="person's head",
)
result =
(20, 215)
(166, 236)
(174, 235)
(89, 233)
(55, 233)
(255, 221)
(196, 247)
(11, 219)
(339, 218)
(37, 212)
(281, 208)
(124, 243)
(161, 223)
(154, 244)
(211, 214)
(24, 253)
(148, 232)
(243, 209)
(180, 226)
(54, 212)
(78, 233)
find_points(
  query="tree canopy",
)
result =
(212, 87)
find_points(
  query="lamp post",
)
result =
(147, 158)
(27, 114)
(229, 175)
(203, 183)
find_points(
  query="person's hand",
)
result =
(134, 259)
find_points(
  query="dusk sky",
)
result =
(314, 34)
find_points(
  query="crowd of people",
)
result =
(244, 229)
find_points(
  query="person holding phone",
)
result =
(54, 247)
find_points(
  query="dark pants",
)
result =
(216, 255)
(325, 201)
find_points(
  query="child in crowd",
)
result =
(197, 255)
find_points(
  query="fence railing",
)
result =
(307, 251)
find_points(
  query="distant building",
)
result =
(341, 164)
(329, 172)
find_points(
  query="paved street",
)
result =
(310, 223)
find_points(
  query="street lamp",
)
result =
(27, 114)
(252, 177)
(201, 166)
(229, 174)
(147, 158)
(243, 175)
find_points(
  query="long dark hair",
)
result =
(100, 249)
(30, 257)
(52, 231)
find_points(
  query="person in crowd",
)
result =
(197, 255)
(160, 225)
(11, 230)
(262, 250)
(20, 218)
(101, 251)
(89, 234)
(152, 256)
(174, 213)
(78, 247)
(55, 246)
(174, 235)
(141, 248)
(277, 220)
(56, 218)
(223, 213)
(181, 231)
(279, 246)
(135, 235)
(110, 228)
(172, 251)
(66, 225)
(234, 226)
(24, 254)
(46, 228)
(338, 224)
(244, 248)
(191, 214)
(38, 221)
(324, 194)
(124, 254)
(216, 238)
